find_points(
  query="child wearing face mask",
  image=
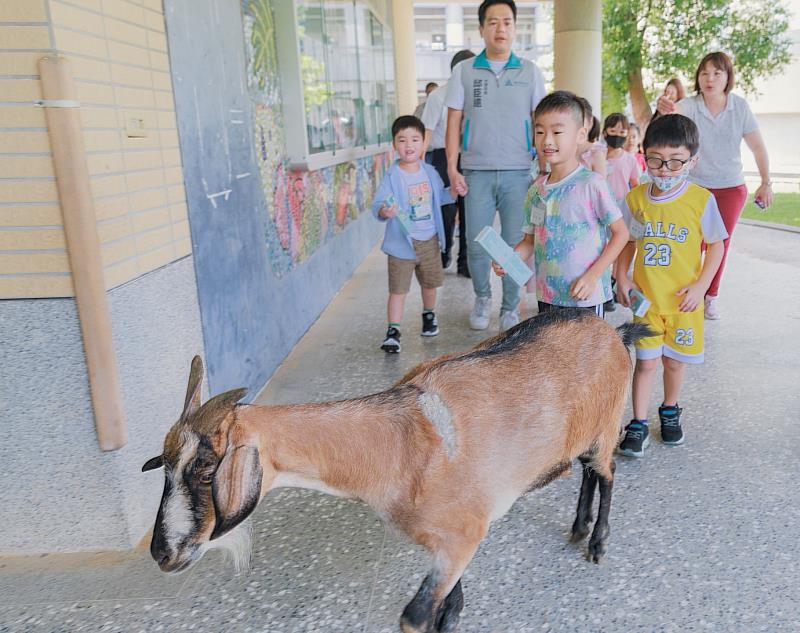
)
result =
(621, 168)
(668, 220)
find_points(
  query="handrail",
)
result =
(62, 111)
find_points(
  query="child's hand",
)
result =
(583, 287)
(498, 269)
(387, 212)
(692, 296)
(624, 287)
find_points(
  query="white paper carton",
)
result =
(504, 255)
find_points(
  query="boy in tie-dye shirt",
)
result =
(568, 213)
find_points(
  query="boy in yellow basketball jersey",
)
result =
(669, 219)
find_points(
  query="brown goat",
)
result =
(439, 455)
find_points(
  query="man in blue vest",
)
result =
(490, 100)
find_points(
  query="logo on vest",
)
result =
(511, 82)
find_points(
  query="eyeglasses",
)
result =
(673, 164)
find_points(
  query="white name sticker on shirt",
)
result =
(537, 215)
(636, 229)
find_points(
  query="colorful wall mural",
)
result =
(304, 209)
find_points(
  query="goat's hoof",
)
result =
(578, 534)
(407, 627)
(597, 551)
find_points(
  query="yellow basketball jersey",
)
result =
(668, 256)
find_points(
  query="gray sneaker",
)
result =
(508, 319)
(479, 318)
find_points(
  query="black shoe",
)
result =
(671, 431)
(463, 271)
(637, 438)
(430, 326)
(609, 306)
(447, 260)
(391, 345)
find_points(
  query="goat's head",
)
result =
(212, 480)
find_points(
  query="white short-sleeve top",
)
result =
(719, 162)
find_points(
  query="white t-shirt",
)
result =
(434, 117)
(719, 161)
(420, 198)
(455, 87)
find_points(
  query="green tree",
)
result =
(669, 37)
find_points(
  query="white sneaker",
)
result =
(479, 319)
(711, 311)
(508, 320)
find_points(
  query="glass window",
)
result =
(346, 60)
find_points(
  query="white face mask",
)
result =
(665, 183)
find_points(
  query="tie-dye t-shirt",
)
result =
(568, 221)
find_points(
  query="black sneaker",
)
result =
(671, 431)
(391, 345)
(637, 438)
(430, 326)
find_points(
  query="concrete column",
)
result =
(454, 15)
(578, 49)
(405, 55)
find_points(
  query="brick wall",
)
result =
(118, 51)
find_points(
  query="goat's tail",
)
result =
(632, 332)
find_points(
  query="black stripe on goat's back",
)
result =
(529, 331)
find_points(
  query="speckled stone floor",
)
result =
(704, 536)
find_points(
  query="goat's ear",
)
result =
(152, 464)
(236, 487)
(192, 402)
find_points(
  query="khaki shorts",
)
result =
(427, 266)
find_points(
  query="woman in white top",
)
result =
(724, 119)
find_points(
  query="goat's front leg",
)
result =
(583, 515)
(598, 544)
(437, 606)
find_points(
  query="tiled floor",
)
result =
(704, 536)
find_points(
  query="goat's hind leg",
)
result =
(598, 544)
(583, 515)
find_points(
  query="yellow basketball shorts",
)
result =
(678, 336)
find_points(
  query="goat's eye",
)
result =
(206, 478)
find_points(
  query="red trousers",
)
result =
(730, 201)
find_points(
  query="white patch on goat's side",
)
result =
(503, 500)
(177, 518)
(435, 409)
(294, 480)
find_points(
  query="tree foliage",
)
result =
(670, 37)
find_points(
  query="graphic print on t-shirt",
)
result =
(419, 197)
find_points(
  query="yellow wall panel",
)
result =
(144, 200)
(101, 140)
(99, 117)
(93, 69)
(37, 239)
(33, 287)
(26, 167)
(166, 120)
(150, 159)
(30, 215)
(22, 10)
(159, 61)
(126, 54)
(123, 32)
(22, 116)
(100, 164)
(19, 63)
(124, 75)
(28, 191)
(176, 193)
(64, 15)
(134, 97)
(169, 138)
(155, 5)
(153, 239)
(81, 43)
(154, 20)
(94, 5)
(24, 141)
(120, 273)
(157, 258)
(150, 220)
(94, 94)
(13, 37)
(24, 90)
(180, 230)
(114, 229)
(108, 186)
(145, 180)
(164, 101)
(118, 251)
(21, 263)
(111, 207)
(157, 41)
(172, 158)
(183, 247)
(123, 10)
(173, 175)
(162, 81)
